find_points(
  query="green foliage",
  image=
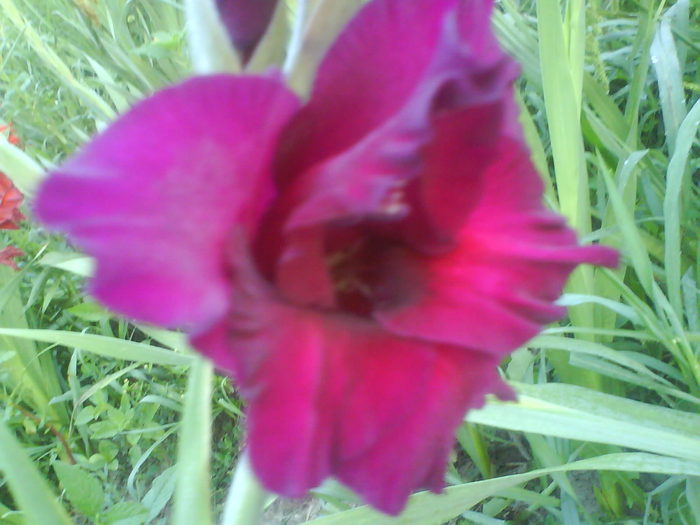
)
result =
(82, 489)
(92, 405)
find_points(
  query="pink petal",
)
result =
(361, 139)
(405, 154)
(497, 288)
(334, 395)
(155, 197)
(365, 78)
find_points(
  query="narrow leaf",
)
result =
(29, 488)
(192, 491)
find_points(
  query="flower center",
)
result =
(352, 261)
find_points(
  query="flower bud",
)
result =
(246, 22)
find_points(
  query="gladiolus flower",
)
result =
(8, 254)
(359, 263)
(10, 201)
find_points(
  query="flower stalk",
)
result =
(246, 498)
(297, 37)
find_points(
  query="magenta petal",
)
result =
(155, 196)
(402, 411)
(332, 395)
(409, 156)
(405, 155)
(497, 288)
(366, 77)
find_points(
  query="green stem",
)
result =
(246, 497)
(297, 37)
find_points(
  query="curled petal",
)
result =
(366, 77)
(405, 155)
(336, 395)
(155, 197)
(496, 289)
(453, 74)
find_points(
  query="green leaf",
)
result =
(630, 233)
(246, 496)
(692, 493)
(320, 27)
(85, 415)
(425, 508)
(664, 58)
(160, 493)
(573, 412)
(29, 488)
(125, 513)
(10, 517)
(210, 46)
(72, 262)
(89, 311)
(102, 345)
(33, 374)
(54, 62)
(561, 48)
(82, 489)
(20, 167)
(673, 206)
(193, 493)
(559, 82)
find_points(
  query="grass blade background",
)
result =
(29, 488)
(192, 491)
(101, 345)
(430, 509)
(674, 208)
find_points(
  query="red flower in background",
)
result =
(359, 263)
(10, 200)
(12, 137)
(8, 254)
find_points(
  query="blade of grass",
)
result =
(246, 497)
(210, 46)
(563, 116)
(673, 208)
(321, 28)
(54, 62)
(631, 238)
(103, 345)
(425, 508)
(29, 488)
(572, 412)
(664, 58)
(33, 374)
(192, 490)
(562, 97)
(24, 172)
